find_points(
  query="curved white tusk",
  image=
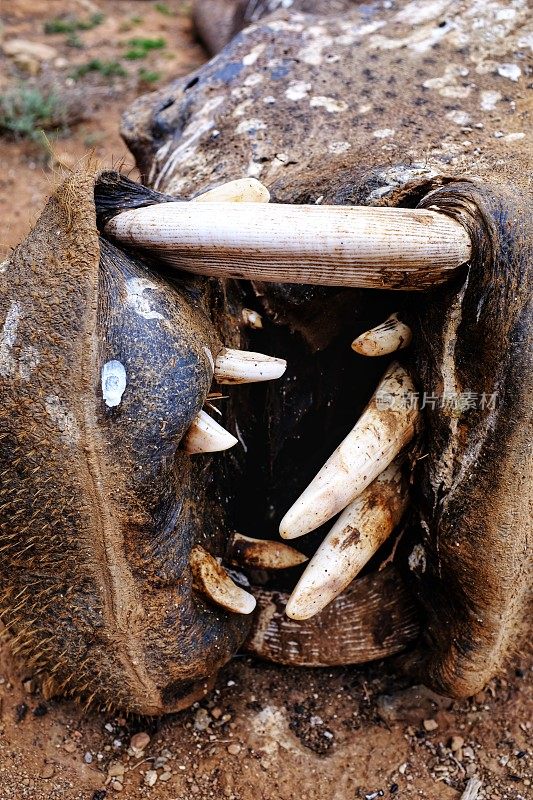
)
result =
(262, 553)
(356, 536)
(212, 579)
(391, 335)
(388, 423)
(243, 190)
(383, 248)
(243, 366)
(207, 436)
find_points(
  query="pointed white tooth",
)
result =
(243, 366)
(243, 190)
(388, 423)
(251, 318)
(262, 553)
(213, 580)
(207, 436)
(359, 532)
(384, 248)
(391, 335)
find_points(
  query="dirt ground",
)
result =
(266, 733)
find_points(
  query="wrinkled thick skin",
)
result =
(98, 504)
(370, 107)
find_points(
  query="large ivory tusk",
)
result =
(243, 366)
(262, 553)
(391, 335)
(387, 424)
(207, 436)
(357, 535)
(211, 579)
(380, 248)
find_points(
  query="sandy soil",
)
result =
(27, 170)
(266, 733)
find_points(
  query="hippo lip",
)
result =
(363, 478)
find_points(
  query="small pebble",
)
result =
(216, 712)
(456, 743)
(234, 749)
(116, 786)
(201, 720)
(165, 776)
(116, 770)
(47, 771)
(140, 741)
(88, 758)
(150, 777)
(431, 724)
(69, 747)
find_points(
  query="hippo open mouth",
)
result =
(128, 574)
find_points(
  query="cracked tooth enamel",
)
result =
(262, 553)
(391, 335)
(211, 579)
(383, 248)
(356, 536)
(243, 190)
(387, 424)
(207, 436)
(243, 366)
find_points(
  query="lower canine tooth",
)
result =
(207, 436)
(244, 190)
(262, 553)
(212, 580)
(359, 532)
(391, 335)
(242, 366)
(388, 423)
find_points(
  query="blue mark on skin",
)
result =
(281, 72)
(229, 71)
(367, 10)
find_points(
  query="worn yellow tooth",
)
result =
(211, 579)
(391, 335)
(207, 436)
(243, 366)
(262, 553)
(356, 536)
(252, 318)
(243, 190)
(388, 423)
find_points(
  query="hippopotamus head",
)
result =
(119, 523)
